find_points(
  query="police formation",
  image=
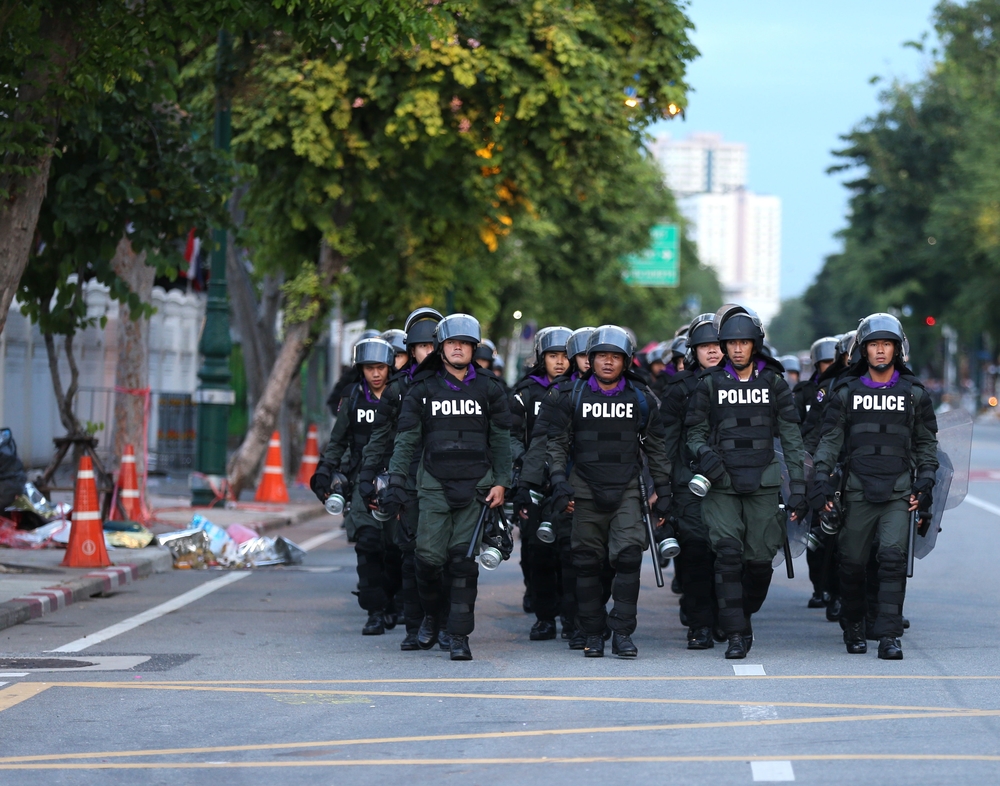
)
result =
(706, 447)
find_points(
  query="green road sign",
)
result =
(660, 265)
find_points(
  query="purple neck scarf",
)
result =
(592, 382)
(368, 392)
(544, 381)
(450, 381)
(868, 382)
(759, 366)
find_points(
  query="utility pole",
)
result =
(214, 395)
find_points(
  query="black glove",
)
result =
(366, 485)
(394, 496)
(796, 502)
(923, 489)
(562, 492)
(711, 465)
(664, 499)
(820, 492)
(320, 483)
(521, 499)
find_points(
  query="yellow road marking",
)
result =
(192, 765)
(12, 760)
(730, 678)
(21, 691)
(182, 686)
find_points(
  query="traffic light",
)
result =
(930, 321)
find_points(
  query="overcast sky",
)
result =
(787, 77)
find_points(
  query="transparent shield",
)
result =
(952, 483)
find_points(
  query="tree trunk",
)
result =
(132, 368)
(243, 464)
(19, 213)
(17, 230)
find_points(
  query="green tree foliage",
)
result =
(439, 169)
(923, 238)
(791, 329)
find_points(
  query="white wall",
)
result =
(27, 402)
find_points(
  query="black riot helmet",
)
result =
(577, 341)
(460, 327)
(551, 339)
(880, 327)
(791, 363)
(485, 351)
(845, 341)
(372, 351)
(702, 331)
(733, 322)
(611, 338)
(420, 326)
(659, 354)
(397, 338)
(823, 350)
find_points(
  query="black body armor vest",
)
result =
(878, 438)
(456, 436)
(362, 414)
(744, 425)
(606, 442)
(681, 385)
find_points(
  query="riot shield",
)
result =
(952, 484)
(796, 530)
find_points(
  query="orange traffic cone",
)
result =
(128, 486)
(272, 485)
(310, 458)
(86, 538)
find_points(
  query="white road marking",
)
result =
(759, 711)
(749, 670)
(177, 603)
(13, 674)
(770, 771)
(983, 504)
(319, 540)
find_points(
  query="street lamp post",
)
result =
(214, 395)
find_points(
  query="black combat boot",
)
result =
(410, 643)
(700, 639)
(889, 649)
(578, 640)
(737, 649)
(819, 600)
(375, 625)
(543, 630)
(444, 640)
(427, 636)
(460, 647)
(834, 609)
(594, 647)
(854, 637)
(622, 646)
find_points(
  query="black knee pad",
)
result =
(629, 560)
(758, 572)
(587, 563)
(891, 562)
(729, 553)
(369, 540)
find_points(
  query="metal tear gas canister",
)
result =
(814, 540)
(490, 557)
(546, 534)
(668, 548)
(830, 521)
(381, 482)
(699, 485)
(334, 504)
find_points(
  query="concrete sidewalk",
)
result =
(32, 582)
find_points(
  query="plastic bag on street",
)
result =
(189, 548)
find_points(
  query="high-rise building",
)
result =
(738, 232)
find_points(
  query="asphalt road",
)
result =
(267, 678)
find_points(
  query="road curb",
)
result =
(49, 599)
(299, 517)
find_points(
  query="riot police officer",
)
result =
(883, 418)
(811, 398)
(733, 416)
(695, 564)
(458, 420)
(397, 338)
(542, 555)
(418, 343)
(793, 369)
(606, 423)
(378, 556)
